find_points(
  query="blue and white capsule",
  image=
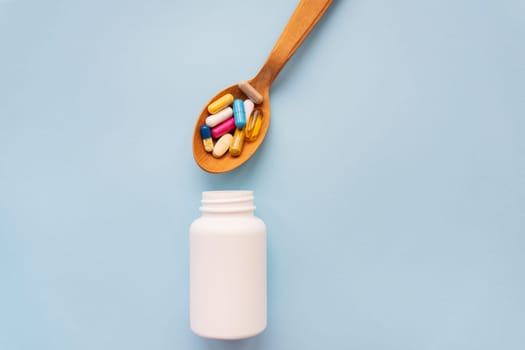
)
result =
(207, 141)
(239, 115)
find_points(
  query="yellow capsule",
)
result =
(220, 103)
(237, 142)
(253, 126)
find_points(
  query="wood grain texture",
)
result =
(304, 18)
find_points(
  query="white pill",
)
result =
(248, 108)
(222, 145)
(218, 118)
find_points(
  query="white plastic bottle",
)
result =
(227, 267)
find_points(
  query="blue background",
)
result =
(392, 180)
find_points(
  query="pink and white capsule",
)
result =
(223, 128)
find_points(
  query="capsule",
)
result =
(222, 145)
(224, 127)
(239, 114)
(248, 108)
(220, 103)
(251, 92)
(253, 127)
(206, 138)
(237, 143)
(216, 119)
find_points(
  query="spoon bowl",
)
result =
(228, 162)
(304, 18)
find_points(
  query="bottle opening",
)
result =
(227, 201)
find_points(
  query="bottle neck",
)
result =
(227, 202)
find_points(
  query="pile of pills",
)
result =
(229, 115)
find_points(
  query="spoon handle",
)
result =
(305, 17)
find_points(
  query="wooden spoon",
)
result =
(304, 18)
